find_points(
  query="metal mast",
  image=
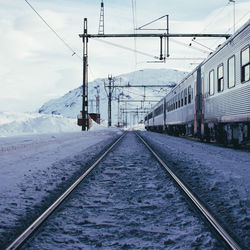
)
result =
(85, 120)
(101, 20)
(97, 99)
(110, 88)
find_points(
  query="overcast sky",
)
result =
(35, 66)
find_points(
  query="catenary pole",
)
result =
(85, 120)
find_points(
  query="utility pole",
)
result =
(85, 120)
(118, 113)
(110, 87)
(85, 36)
(97, 99)
(91, 105)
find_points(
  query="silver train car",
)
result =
(213, 101)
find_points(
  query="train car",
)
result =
(158, 116)
(180, 107)
(213, 101)
(226, 90)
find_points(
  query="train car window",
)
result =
(220, 78)
(182, 98)
(211, 82)
(176, 102)
(231, 72)
(245, 65)
(179, 100)
(159, 110)
(185, 97)
(189, 94)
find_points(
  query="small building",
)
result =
(95, 117)
(92, 116)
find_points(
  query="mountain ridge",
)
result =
(70, 104)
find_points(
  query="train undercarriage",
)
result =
(237, 133)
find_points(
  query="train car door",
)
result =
(198, 104)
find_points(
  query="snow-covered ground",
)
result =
(125, 203)
(219, 176)
(38, 164)
(13, 124)
(32, 167)
(35, 161)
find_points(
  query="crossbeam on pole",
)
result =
(139, 111)
(154, 35)
(139, 100)
(144, 86)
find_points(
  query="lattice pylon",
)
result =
(101, 21)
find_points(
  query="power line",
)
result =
(215, 19)
(190, 47)
(147, 54)
(126, 48)
(238, 21)
(134, 26)
(58, 36)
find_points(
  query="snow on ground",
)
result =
(33, 166)
(128, 203)
(219, 176)
(13, 124)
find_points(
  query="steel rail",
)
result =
(20, 240)
(215, 224)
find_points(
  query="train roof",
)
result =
(219, 48)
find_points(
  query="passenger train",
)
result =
(213, 101)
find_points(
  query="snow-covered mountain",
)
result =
(70, 104)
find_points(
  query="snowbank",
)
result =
(35, 166)
(15, 124)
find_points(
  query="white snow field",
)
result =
(38, 164)
(219, 176)
(14, 124)
(36, 157)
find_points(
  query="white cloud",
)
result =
(35, 65)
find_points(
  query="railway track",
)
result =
(105, 187)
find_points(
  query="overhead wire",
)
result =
(126, 48)
(239, 20)
(204, 28)
(133, 2)
(214, 19)
(147, 54)
(60, 38)
(57, 35)
(131, 92)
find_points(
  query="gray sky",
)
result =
(36, 66)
